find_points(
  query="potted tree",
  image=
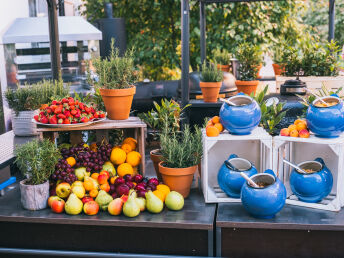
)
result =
(170, 113)
(211, 81)
(223, 59)
(36, 161)
(181, 154)
(250, 58)
(115, 78)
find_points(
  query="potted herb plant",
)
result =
(211, 81)
(250, 58)
(36, 161)
(223, 59)
(116, 75)
(170, 113)
(181, 154)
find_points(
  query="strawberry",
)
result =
(65, 105)
(60, 121)
(49, 110)
(73, 112)
(36, 117)
(58, 103)
(81, 105)
(78, 113)
(53, 107)
(44, 120)
(84, 119)
(58, 110)
(71, 107)
(66, 121)
(54, 102)
(74, 121)
(66, 113)
(71, 102)
(102, 115)
(53, 120)
(95, 115)
(62, 116)
(64, 100)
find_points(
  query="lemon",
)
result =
(133, 158)
(118, 156)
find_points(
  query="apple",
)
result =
(57, 205)
(102, 178)
(63, 190)
(51, 199)
(91, 208)
(87, 199)
(115, 206)
(124, 198)
(106, 173)
(304, 133)
(284, 132)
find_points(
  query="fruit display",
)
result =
(298, 129)
(214, 127)
(67, 111)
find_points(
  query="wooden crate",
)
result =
(132, 125)
(314, 82)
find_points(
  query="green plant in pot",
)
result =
(26, 100)
(36, 161)
(278, 53)
(116, 75)
(211, 81)
(250, 59)
(223, 59)
(167, 113)
(181, 155)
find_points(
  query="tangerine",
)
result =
(292, 127)
(105, 187)
(215, 119)
(219, 126)
(297, 121)
(94, 193)
(126, 147)
(71, 161)
(133, 158)
(88, 185)
(294, 133)
(95, 176)
(161, 195)
(118, 156)
(125, 169)
(212, 131)
(301, 126)
(131, 141)
(163, 188)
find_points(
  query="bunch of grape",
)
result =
(64, 172)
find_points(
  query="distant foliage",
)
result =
(222, 57)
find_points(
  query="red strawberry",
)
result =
(49, 110)
(54, 102)
(36, 117)
(58, 103)
(73, 112)
(84, 119)
(87, 109)
(81, 106)
(66, 121)
(64, 100)
(62, 116)
(102, 115)
(44, 120)
(96, 115)
(58, 110)
(60, 121)
(53, 120)
(66, 113)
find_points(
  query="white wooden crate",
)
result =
(298, 150)
(314, 82)
(256, 147)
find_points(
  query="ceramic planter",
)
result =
(118, 102)
(277, 69)
(229, 178)
(34, 197)
(327, 122)
(264, 202)
(247, 87)
(240, 119)
(311, 187)
(223, 68)
(178, 179)
(22, 124)
(156, 159)
(210, 91)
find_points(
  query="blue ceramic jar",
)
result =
(229, 178)
(264, 202)
(326, 121)
(242, 118)
(313, 186)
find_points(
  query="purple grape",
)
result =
(53, 176)
(84, 164)
(59, 177)
(96, 161)
(71, 176)
(63, 173)
(68, 170)
(88, 169)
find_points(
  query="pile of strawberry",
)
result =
(67, 111)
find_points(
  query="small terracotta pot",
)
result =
(223, 68)
(118, 102)
(156, 158)
(247, 86)
(210, 91)
(178, 179)
(277, 69)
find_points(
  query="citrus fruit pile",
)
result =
(298, 129)
(214, 127)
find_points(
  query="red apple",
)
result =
(153, 181)
(285, 132)
(115, 206)
(57, 206)
(105, 172)
(86, 199)
(91, 208)
(102, 179)
(51, 199)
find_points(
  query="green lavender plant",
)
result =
(222, 57)
(210, 73)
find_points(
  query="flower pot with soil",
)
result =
(211, 81)
(116, 75)
(36, 161)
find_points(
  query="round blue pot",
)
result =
(326, 122)
(311, 187)
(240, 119)
(229, 178)
(264, 202)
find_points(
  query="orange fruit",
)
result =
(88, 185)
(95, 176)
(94, 147)
(113, 179)
(299, 121)
(133, 158)
(131, 141)
(209, 123)
(105, 187)
(219, 126)
(212, 131)
(294, 133)
(163, 188)
(161, 195)
(126, 147)
(301, 126)
(215, 119)
(71, 161)
(94, 193)
(136, 170)
(125, 169)
(292, 127)
(118, 156)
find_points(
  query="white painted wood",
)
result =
(314, 82)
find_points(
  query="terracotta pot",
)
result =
(258, 74)
(118, 102)
(156, 158)
(210, 91)
(247, 86)
(223, 68)
(277, 69)
(178, 179)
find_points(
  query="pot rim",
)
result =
(24, 180)
(152, 152)
(241, 97)
(261, 174)
(308, 162)
(210, 84)
(245, 160)
(328, 98)
(179, 174)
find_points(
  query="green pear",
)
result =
(73, 205)
(103, 199)
(81, 173)
(109, 168)
(174, 201)
(141, 202)
(131, 208)
(153, 203)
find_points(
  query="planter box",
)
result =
(314, 82)
(256, 147)
(298, 150)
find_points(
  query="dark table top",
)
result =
(195, 215)
(233, 215)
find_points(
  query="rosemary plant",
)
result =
(210, 73)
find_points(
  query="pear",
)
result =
(131, 208)
(108, 166)
(73, 205)
(141, 202)
(174, 201)
(81, 173)
(103, 199)
(153, 203)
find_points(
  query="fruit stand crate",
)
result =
(256, 147)
(133, 127)
(297, 150)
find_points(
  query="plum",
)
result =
(122, 189)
